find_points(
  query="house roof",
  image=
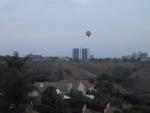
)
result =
(63, 84)
(86, 84)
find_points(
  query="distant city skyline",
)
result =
(80, 54)
(55, 27)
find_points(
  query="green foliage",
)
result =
(14, 84)
(68, 71)
(138, 109)
(95, 104)
(77, 98)
(15, 62)
(38, 74)
(105, 90)
(59, 74)
(104, 77)
(120, 74)
(51, 102)
(133, 99)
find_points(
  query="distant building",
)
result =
(76, 54)
(80, 54)
(36, 57)
(85, 53)
(64, 59)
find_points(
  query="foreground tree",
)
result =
(51, 102)
(77, 99)
(105, 89)
(15, 85)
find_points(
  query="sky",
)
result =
(54, 27)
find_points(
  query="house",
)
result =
(66, 85)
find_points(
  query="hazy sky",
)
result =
(54, 27)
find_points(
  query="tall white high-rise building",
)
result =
(80, 54)
(85, 53)
(76, 54)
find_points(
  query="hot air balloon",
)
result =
(88, 33)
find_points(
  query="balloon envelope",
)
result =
(88, 33)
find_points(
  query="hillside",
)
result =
(79, 70)
(140, 80)
(133, 75)
(58, 70)
(106, 67)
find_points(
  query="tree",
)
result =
(51, 102)
(15, 85)
(77, 98)
(105, 89)
(16, 62)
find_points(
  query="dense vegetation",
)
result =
(14, 85)
(115, 82)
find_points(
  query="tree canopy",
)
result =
(15, 85)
